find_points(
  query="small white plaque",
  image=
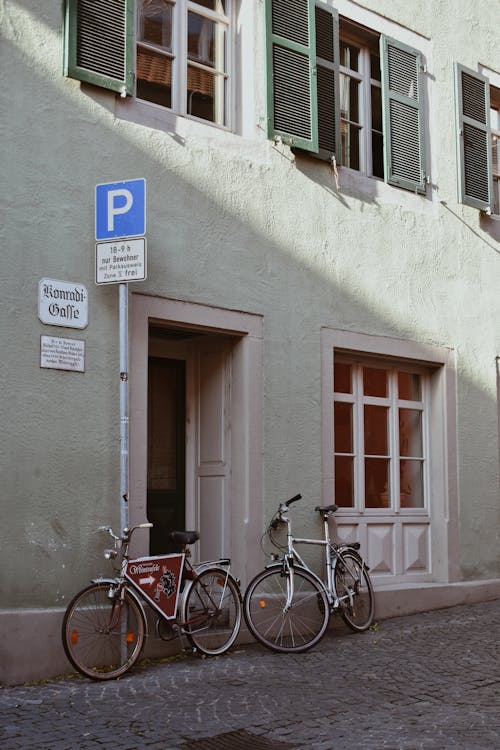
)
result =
(62, 303)
(62, 354)
(120, 261)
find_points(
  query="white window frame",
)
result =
(358, 400)
(179, 56)
(366, 81)
(392, 541)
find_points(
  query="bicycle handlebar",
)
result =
(293, 500)
(127, 533)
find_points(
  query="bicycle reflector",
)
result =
(74, 637)
(262, 604)
(130, 638)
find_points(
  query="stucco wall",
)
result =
(238, 223)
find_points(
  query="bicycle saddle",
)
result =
(326, 508)
(184, 537)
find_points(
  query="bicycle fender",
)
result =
(354, 552)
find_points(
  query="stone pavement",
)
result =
(429, 681)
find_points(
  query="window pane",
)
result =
(377, 483)
(411, 484)
(156, 23)
(154, 77)
(349, 56)
(409, 388)
(375, 66)
(374, 382)
(344, 481)
(410, 432)
(376, 107)
(349, 98)
(350, 145)
(206, 42)
(343, 427)
(376, 432)
(342, 378)
(218, 5)
(206, 95)
(377, 154)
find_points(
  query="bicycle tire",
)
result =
(298, 629)
(351, 578)
(212, 612)
(101, 641)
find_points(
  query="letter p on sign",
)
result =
(120, 209)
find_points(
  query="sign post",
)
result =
(120, 226)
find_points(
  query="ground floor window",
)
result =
(379, 434)
(389, 453)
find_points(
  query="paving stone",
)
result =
(426, 682)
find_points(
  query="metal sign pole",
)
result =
(124, 407)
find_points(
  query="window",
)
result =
(495, 148)
(379, 439)
(186, 72)
(336, 88)
(181, 58)
(478, 128)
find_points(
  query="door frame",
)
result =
(246, 480)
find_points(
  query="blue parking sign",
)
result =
(120, 209)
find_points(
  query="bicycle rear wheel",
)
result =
(295, 629)
(354, 588)
(212, 612)
(102, 635)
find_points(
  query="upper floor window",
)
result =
(340, 90)
(180, 59)
(186, 71)
(478, 131)
(495, 147)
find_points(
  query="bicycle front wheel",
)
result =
(295, 628)
(212, 612)
(354, 589)
(103, 635)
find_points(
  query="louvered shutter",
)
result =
(402, 113)
(98, 43)
(291, 79)
(473, 138)
(327, 65)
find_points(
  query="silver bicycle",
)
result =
(287, 606)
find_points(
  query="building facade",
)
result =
(320, 309)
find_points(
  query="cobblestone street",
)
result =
(420, 682)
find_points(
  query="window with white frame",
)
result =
(345, 92)
(361, 101)
(379, 435)
(185, 71)
(173, 53)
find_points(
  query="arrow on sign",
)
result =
(150, 579)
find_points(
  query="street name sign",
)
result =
(62, 303)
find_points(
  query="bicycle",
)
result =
(287, 606)
(104, 627)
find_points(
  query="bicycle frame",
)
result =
(332, 554)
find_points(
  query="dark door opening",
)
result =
(166, 490)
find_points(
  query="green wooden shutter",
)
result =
(473, 138)
(327, 65)
(402, 115)
(98, 43)
(291, 78)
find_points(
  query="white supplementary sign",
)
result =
(62, 354)
(120, 261)
(62, 303)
